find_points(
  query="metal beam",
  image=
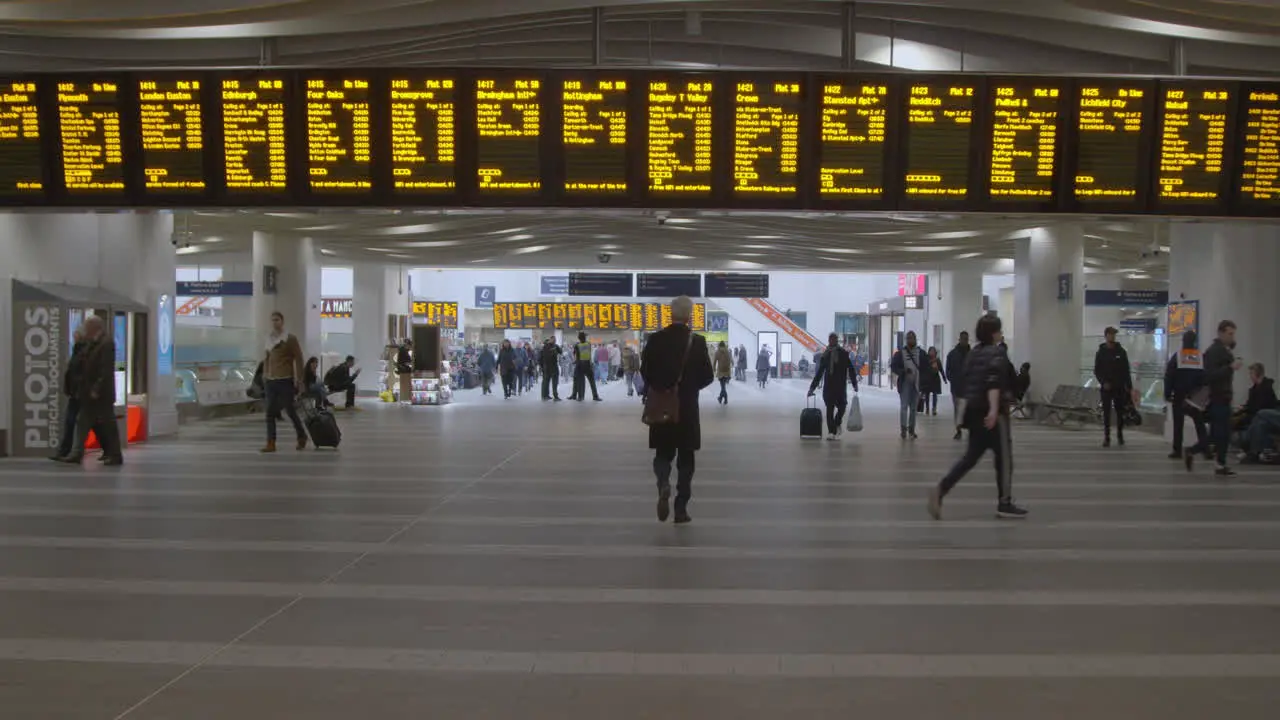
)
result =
(848, 35)
(597, 36)
(1178, 57)
(267, 52)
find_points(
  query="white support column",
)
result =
(297, 294)
(1230, 268)
(1047, 331)
(378, 293)
(957, 303)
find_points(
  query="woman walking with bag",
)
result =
(724, 370)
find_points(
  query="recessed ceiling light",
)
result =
(481, 260)
(318, 228)
(381, 250)
(409, 229)
(606, 237)
(608, 247)
(428, 243)
(678, 257)
(749, 254)
(518, 238)
(758, 247)
(766, 237)
(954, 235)
(680, 221)
(530, 249)
(402, 256)
(214, 239)
(288, 215)
(327, 251)
(930, 248)
(968, 256)
(844, 251)
(188, 250)
(508, 231)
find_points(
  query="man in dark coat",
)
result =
(71, 388)
(550, 361)
(1111, 369)
(836, 367)
(97, 395)
(677, 356)
(954, 370)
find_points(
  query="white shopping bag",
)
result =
(854, 424)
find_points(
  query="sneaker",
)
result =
(682, 517)
(1009, 511)
(904, 433)
(913, 435)
(1224, 471)
(935, 503)
(1189, 458)
(664, 504)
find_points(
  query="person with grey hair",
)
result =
(676, 361)
(96, 392)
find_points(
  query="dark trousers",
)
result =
(102, 423)
(508, 383)
(999, 442)
(1181, 411)
(1116, 400)
(550, 383)
(724, 388)
(350, 390)
(685, 466)
(835, 416)
(280, 398)
(69, 419)
(1220, 430)
(583, 374)
(486, 383)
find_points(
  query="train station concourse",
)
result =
(985, 424)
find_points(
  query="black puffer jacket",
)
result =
(986, 369)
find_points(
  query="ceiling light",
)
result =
(518, 238)
(408, 229)
(481, 260)
(759, 247)
(766, 237)
(743, 264)
(749, 254)
(381, 250)
(402, 256)
(327, 251)
(508, 231)
(954, 235)
(608, 247)
(931, 248)
(844, 251)
(288, 215)
(188, 250)
(678, 257)
(606, 237)
(968, 256)
(428, 243)
(214, 239)
(880, 233)
(680, 221)
(319, 228)
(530, 249)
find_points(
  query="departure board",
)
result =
(171, 126)
(424, 134)
(339, 144)
(92, 148)
(21, 169)
(1024, 125)
(1193, 143)
(1260, 166)
(854, 131)
(508, 125)
(253, 134)
(594, 131)
(939, 135)
(1110, 121)
(680, 136)
(766, 138)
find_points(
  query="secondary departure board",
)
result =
(1193, 143)
(1024, 122)
(339, 134)
(21, 168)
(424, 135)
(766, 137)
(593, 127)
(1260, 162)
(254, 132)
(509, 125)
(855, 118)
(680, 136)
(939, 140)
(1111, 119)
(171, 126)
(89, 121)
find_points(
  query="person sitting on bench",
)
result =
(340, 378)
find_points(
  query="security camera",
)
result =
(604, 258)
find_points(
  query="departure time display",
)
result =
(939, 133)
(253, 134)
(339, 142)
(766, 138)
(854, 131)
(680, 136)
(91, 143)
(21, 169)
(594, 132)
(1024, 139)
(1110, 121)
(1193, 143)
(423, 134)
(1260, 167)
(171, 124)
(509, 124)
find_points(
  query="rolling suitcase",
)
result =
(811, 421)
(321, 425)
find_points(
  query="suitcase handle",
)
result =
(811, 401)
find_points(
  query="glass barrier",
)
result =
(1148, 354)
(200, 344)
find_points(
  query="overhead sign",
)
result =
(554, 285)
(913, 284)
(648, 317)
(668, 285)
(602, 284)
(1123, 298)
(36, 410)
(214, 288)
(736, 285)
(1138, 325)
(431, 312)
(335, 307)
(484, 296)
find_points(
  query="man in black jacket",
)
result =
(1111, 369)
(341, 379)
(550, 361)
(97, 396)
(836, 367)
(955, 375)
(676, 357)
(1220, 365)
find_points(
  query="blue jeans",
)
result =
(1220, 430)
(908, 397)
(602, 371)
(1265, 424)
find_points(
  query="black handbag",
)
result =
(257, 390)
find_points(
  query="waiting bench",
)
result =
(1073, 403)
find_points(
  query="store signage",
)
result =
(648, 317)
(484, 296)
(913, 302)
(913, 284)
(214, 288)
(1142, 298)
(431, 312)
(164, 336)
(335, 307)
(36, 412)
(554, 286)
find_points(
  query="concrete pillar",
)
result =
(1048, 330)
(297, 294)
(377, 294)
(956, 303)
(1230, 269)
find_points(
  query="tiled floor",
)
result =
(500, 559)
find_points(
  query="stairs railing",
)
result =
(777, 317)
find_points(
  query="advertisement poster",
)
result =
(38, 355)
(164, 331)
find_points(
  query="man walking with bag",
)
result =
(836, 367)
(675, 367)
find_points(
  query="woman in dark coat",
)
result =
(507, 367)
(931, 377)
(764, 367)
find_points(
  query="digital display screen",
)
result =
(591, 316)
(1193, 143)
(253, 134)
(736, 285)
(509, 124)
(680, 136)
(423, 134)
(1024, 139)
(1260, 167)
(91, 145)
(854, 131)
(601, 284)
(939, 136)
(766, 138)
(21, 168)
(594, 131)
(339, 144)
(668, 285)
(171, 125)
(1110, 123)
(432, 312)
